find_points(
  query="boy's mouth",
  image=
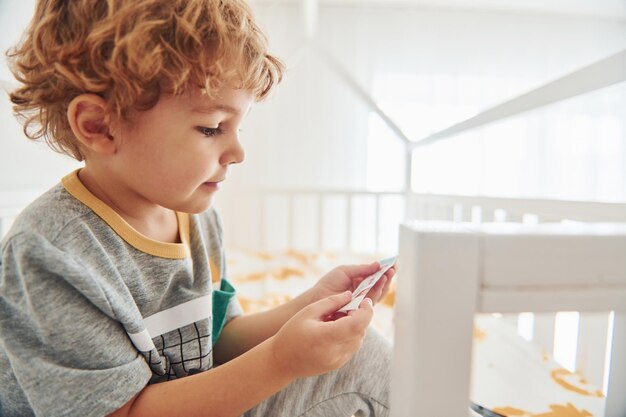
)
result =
(212, 184)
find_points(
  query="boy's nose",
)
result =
(235, 153)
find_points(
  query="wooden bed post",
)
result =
(437, 292)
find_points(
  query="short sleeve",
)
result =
(233, 308)
(222, 306)
(67, 351)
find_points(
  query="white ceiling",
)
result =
(613, 9)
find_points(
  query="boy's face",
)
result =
(177, 153)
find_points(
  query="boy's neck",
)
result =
(149, 219)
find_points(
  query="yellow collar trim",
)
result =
(77, 189)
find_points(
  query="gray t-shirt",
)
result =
(91, 310)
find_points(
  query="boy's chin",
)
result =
(196, 208)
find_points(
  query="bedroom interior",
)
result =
(483, 141)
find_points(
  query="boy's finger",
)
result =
(362, 270)
(363, 315)
(354, 323)
(387, 285)
(377, 290)
(356, 282)
(385, 291)
(329, 305)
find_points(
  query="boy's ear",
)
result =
(91, 123)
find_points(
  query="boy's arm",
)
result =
(227, 390)
(304, 346)
(245, 332)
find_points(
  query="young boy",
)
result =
(114, 298)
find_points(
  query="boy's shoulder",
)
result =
(47, 216)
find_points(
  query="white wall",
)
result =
(313, 115)
(23, 164)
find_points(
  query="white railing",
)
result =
(367, 221)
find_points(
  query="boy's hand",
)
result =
(348, 278)
(307, 345)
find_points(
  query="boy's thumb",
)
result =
(331, 304)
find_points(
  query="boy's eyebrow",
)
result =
(216, 108)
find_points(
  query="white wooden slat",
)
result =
(530, 219)
(363, 226)
(616, 400)
(304, 218)
(447, 212)
(514, 217)
(443, 212)
(320, 222)
(477, 214)
(265, 224)
(310, 12)
(457, 213)
(421, 210)
(552, 259)
(487, 215)
(408, 174)
(543, 332)
(377, 223)
(465, 212)
(434, 212)
(513, 300)
(349, 222)
(410, 206)
(335, 216)
(277, 221)
(592, 346)
(566, 338)
(512, 319)
(392, 213)
(525, 324)
(290, 221)
(500, 215)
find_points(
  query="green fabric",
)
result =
(221, 298)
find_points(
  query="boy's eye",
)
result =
(209, 131)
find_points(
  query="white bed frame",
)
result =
(450, 271)
(581, 267)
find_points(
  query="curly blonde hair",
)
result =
(130, 52)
